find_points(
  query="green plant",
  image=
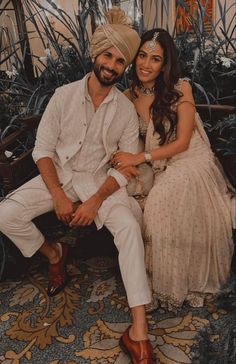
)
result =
(65, 59)
(225, 135)
(208, 58)
(222, 135)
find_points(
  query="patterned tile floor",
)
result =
(83, 324)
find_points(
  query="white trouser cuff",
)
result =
(139, 299)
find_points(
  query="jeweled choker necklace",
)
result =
(147, 91)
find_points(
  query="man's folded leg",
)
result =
(17, 211)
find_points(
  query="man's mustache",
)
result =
(109, 70)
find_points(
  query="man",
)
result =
(83, 124)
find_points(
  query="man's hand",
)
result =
(86, 212)
(62, 205)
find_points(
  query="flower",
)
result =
(47, 52)
(226, 62)
(12, 73)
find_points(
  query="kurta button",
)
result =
(67, 157)
(80, 142)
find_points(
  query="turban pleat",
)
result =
(121, 36)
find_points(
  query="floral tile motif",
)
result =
(101, 289)
(101, 343)
(24, 294)
(172, 340)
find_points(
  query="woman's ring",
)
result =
(119, 163)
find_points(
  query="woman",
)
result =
(187, 216)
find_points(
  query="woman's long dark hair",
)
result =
(165, 93)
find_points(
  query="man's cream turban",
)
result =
(116, 33)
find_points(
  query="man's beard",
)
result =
(104, 81)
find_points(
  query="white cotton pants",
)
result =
(33, 199)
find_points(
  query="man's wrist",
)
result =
(99, 198)
(55, 190)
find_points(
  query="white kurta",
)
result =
(63, 131)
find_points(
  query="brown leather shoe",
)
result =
(140, 352)
(57, 274)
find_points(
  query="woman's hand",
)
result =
(124, 159)
(128, 172)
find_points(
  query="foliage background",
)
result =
(207, 57)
